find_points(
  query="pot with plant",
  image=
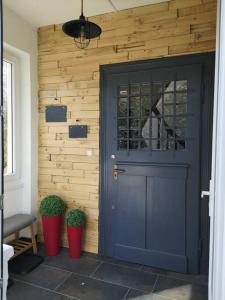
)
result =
(75, 220)
(51, 209)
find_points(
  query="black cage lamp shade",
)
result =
(81, 30)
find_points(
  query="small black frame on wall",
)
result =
(78, 131)
(56, 113)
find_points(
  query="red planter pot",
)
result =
(74, 235)
(52, 227)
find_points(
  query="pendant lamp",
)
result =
(82, 30)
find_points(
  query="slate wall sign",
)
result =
(78, 131)
(56, 113)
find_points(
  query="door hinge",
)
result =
(200, 247)
(2, 202)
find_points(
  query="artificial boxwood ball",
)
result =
(52, 206)
(75, 218)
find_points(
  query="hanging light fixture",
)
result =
(82, 30)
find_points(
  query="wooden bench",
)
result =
(13, 225)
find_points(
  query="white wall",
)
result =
(20, 39)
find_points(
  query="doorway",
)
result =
(156, 123)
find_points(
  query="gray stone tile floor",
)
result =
(98, 278)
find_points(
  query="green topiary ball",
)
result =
(52, 206)
(75, 218)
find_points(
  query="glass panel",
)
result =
(134, 134)
(135, 89)
(145, 133)
(180, 145)
(156, 144)
(8, 117)
(181, 109)
(145, 105)
(144, 144)
(145, 88)
(123, 107)
(134, 123)
(168, 121)
(163, 145)
(168, 110)
(169, 98)
(157, 108)
(122, 124)
(180, 132)
(156, 127)
(123, 134)
(168, 133)
(181, 122)
(133, 145)
(122, 145)
(134, 106)
(169, 86)
(181, 85)
(181, 97)
(168, 144)
(123, 91)
(157, 88)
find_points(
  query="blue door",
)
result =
(151, 162)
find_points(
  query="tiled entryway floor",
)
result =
(96, 278)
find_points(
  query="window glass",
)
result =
(8, 116)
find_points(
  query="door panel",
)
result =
(150, 208)
(151, 167)
(166, 199)
(131, 206)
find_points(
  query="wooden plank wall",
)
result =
(69, 76)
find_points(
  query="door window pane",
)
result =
(123, 107)
(181, 97)
(145, 89)
(134, 106)
(181, 85)
(181, 109)
(169, 86)
(145, 106)
(169, 98)
(135, 89)
(157, 88)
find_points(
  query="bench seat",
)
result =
(17, 223)
(13, 225)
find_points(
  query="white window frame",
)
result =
(12, 181)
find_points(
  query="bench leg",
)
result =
(17, 235)
(34, 242)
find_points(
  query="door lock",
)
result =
(117, 171)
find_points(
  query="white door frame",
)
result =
(217, 186)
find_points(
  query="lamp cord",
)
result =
(82, 7)
(113, 5)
